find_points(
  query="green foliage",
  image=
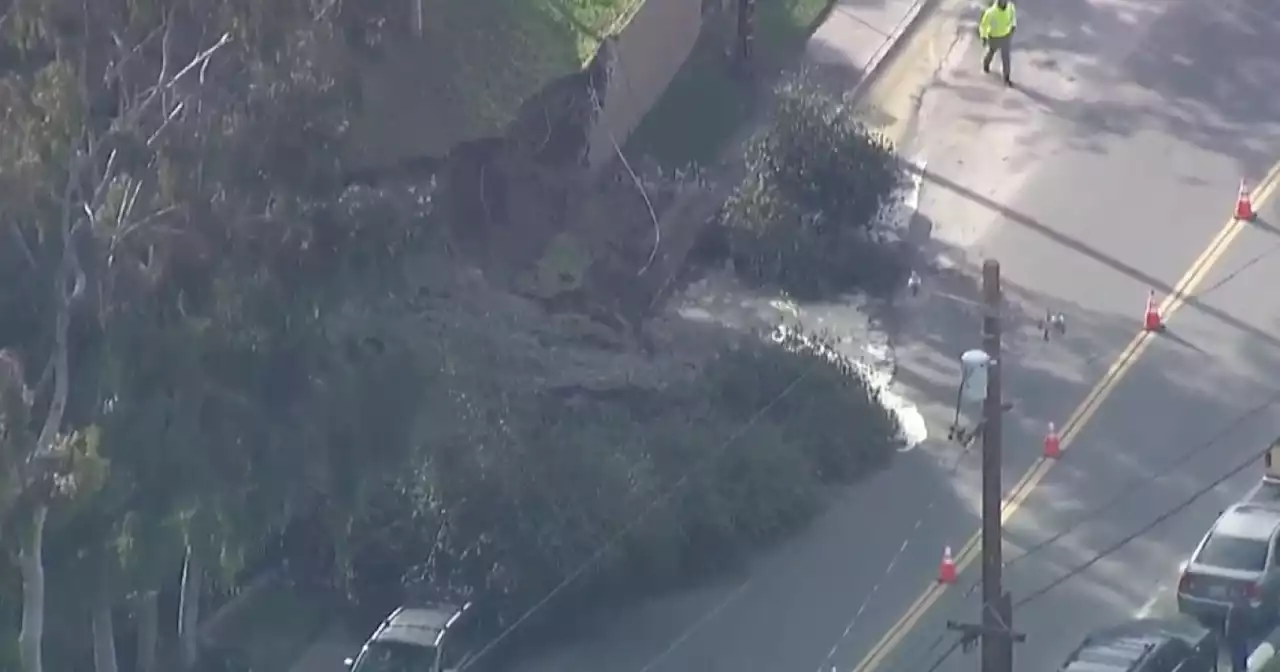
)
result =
(253, 354)
(833, 416)
(562, 268)
(594, 19)
(521, 492)
(808, 215)
(228, 287)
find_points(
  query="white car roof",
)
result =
(418, 626)
(1248, 521)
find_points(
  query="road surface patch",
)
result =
(1182, 292)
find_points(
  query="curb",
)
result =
(920, 9)
(906, 26)
(830, 6)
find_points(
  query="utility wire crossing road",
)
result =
(1184, 290)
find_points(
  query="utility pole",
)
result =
(996, 630)
(994, 658)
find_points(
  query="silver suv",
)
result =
(1233, 571)
(434, 638)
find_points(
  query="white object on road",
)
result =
(878, 370)
(1160, 605)
(1272, 463)
(898, 213)
(918, 168)
(1261, 656)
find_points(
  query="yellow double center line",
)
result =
(1026, 485)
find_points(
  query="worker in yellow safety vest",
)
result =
(996, 30)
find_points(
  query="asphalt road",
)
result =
(1104, 175)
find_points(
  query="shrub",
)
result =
(808, 215)
(830, 414)
(677, 481)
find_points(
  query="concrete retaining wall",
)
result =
(649, 52)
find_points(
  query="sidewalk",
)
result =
(858, 37)
(846, 51)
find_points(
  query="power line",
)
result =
(1141, 481)
(925, 654)
(955, 646)
(629, 527)
(1183, 457)
(893, 561)
(1196, 495)
(1147, 479)
(626, 529)
(1234, 274)
(933, 646)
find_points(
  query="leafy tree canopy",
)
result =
(212, 343)
(808, 217)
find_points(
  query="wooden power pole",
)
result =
(995, 618)
(996, 629)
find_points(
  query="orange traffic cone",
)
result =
(947, 571)
(1244, 204)
(1052, 443)
(1151, 320)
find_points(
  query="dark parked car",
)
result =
(1146, 645)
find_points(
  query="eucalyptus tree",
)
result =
(160, 164)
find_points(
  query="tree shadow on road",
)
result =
(852, 568)
(1147, 448)
(1174, 424)
(1202, 73)
(1029, 223)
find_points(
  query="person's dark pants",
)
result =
(1002, 45)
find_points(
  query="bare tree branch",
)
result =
(168, 120)
(130, 200)
(8, 14)
(47, 440)
(165, 84)
(104, 181)
(147, 220)
(21, 242)
(129, 53)
(165, 51)
(46, 377)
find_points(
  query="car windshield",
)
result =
(396, 657)
(1236, 553)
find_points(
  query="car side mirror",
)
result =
(348, 662)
